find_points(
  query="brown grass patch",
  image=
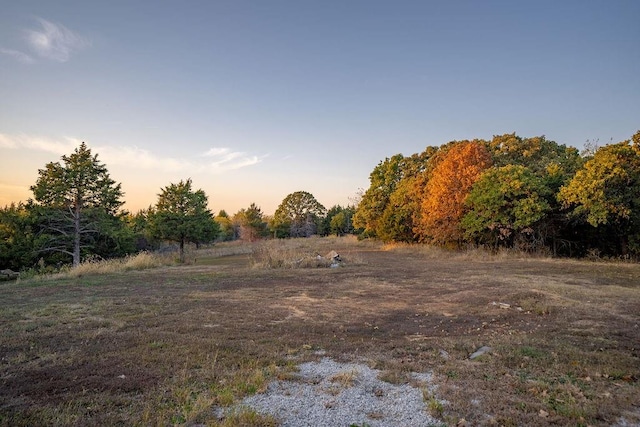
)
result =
(170, 345)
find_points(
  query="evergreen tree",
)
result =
(181, 215)
(78, 199)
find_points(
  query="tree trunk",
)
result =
(624, 245)
(182, 250)
(76, 236)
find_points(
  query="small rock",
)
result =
(9, 275)
(444, 354)
(479, 352)
(543, 413)
(333, 256)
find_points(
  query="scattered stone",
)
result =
(333, 256)
(9, 275)
(332, 259)
(444, 354)
(543, 413)
(502, 305)
(314, 400)
(479, 352)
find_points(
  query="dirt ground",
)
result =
(164, 346)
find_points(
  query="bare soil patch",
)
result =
(171, 345)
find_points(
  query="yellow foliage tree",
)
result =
(443, 207)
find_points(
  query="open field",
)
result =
(168, 345)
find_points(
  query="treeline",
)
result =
(76, 215)
(531, 194)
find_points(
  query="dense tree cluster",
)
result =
(526, 193)
(76, 214)
(531, 194)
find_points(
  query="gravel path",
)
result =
(328, 393)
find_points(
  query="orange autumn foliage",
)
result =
(442, 207)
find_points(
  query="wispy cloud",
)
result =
(141, 159)
(19, 56)
(224, 159)
(60, 147)
(215, 160)
(54, 41)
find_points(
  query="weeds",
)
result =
(345, 379)
(300, 253)
(435, 407)
(247, 417)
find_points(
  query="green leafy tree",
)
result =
(401, 214)
(338, 220)
(227, 229)
(16, 237)
(536, 153)
(139, 227)
(384, 179)
(181, 215)
(79, 198)
(606, 193)
(504, 206)
(117, 239)
(298, 215)
(554, 163)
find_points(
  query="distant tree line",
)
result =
(76, 214)
(531, 194)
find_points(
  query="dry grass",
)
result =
(98, 267)
(303, 253)
(171, 346)
(345, 379)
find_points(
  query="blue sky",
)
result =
(257, 99)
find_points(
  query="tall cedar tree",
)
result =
(76, 195)
(446, 191)
(181, 215)
(250, 223)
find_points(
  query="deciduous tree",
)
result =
(446, 190)
(227, 229)
(606, 192)
(384, 178)
(298, 215)
(338, 220)
(504, 206)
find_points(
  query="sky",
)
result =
(254, 100)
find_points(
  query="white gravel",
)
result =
(315, 400)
